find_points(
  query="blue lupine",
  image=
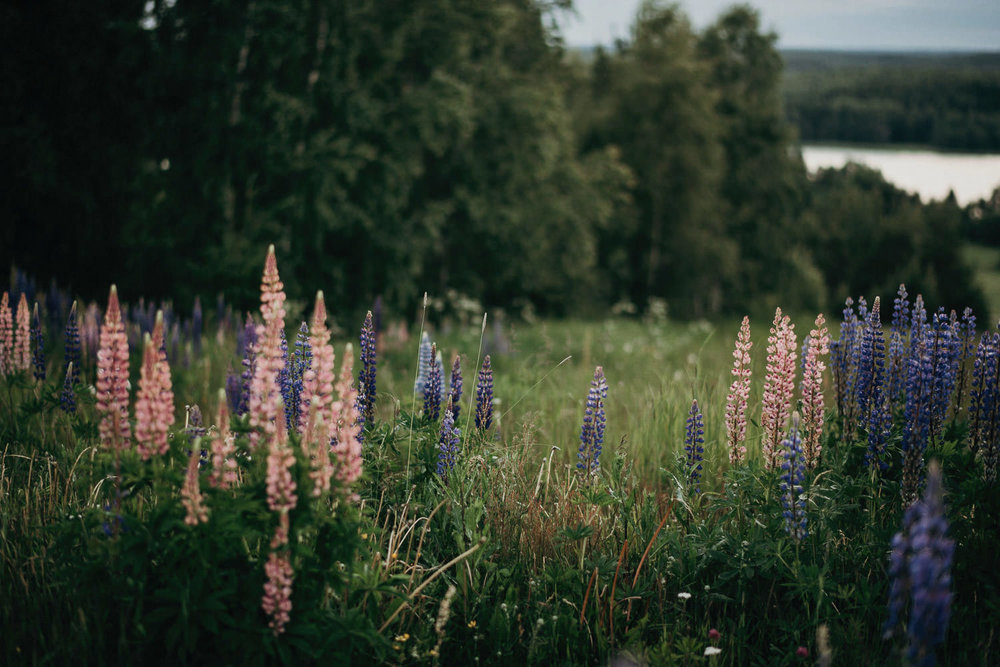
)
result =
(870, 364)
(448, 441)
(841, 355)
(424, 359)
(72, 347)
(793, 473)
(805, 354)
(484, 396)
(694, 447)
(879, 428)
(366, 381)
(433, 389)
(37, 345)
(298, 363)
(247, 340)
(947, 348)
(920, 570)
(898, 346)
(67, 399)
(455, 387)
(984, 404)
(592, 431)
(285, 374)
(917, 415)
(967, 335)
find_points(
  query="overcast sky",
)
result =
(953, 25)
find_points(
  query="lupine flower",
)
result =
(302, 361)
(194, 505)
(484, 396)
(793, 473)
(67, 399)
(920, 569)
(249, 341)
(433, 390)
(947, 350)
(916, 429)
(265, 394)
(285, 378)
(739, 393)
(72, 347)
(870, 364)
(37, 345)
(280, 460)
(778, 387)
(22, 336)
(694, 447)
(223, 448)
(967, 335)
(984, 404)
(315, 439)
(366, 380)
(234, 390)
(879, 428)
(842, 353)
(455, 387)
(812, 391)
(6, 336)
(154, 408)
(112, 377)
(898, 347)
(346, 425)
(592, 431)
(448, 440)
(317, 380)
(277, 599)
(425, 358)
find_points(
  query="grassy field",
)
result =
(513, 556)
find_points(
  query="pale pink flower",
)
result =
(280, 460)
(778, 387)
(277, 599)
(317, 382)
(739, 393)
(6, 336)
(154, 405)
(346, 423)
(22, 340)
(112, 377)
(194, 504)
(265, 394)
(224, 471)
(315, 443)
(812, 392)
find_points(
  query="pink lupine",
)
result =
(112, 377)
(812, 392)
(346, 423)
(277, 599)
(280, 460)
(317, 382)
(315, 442)
(22, 338)
(194, 504)
(6, 336)
(154, 405)
(778, 387)
(223, 475)
(739, 393)
(265, 393)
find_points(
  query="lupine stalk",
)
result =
(191, 498)
(448, 441)
(592, 431)
(779, 386)
(150, 424)
(67, 399)
(301, 361)
(484, 396)
(265, 393)
(871, 363)
(112, 377)
(315, 439)
(277, 599)
(281, 486)
(224, 472)
(37, 345)
(947, 356)
(22, 336)
(917, 414)
(433, 389)
(455, 387)
(967, 334)
(793, 473)
(72, 347)
(898, 348)
(984, 404)
(317, 380)
(6, 336)
(842, 358)
(366, 380)
(346, 425)
(813, 410)
(425, 358)
(739, 394)
(694, 447)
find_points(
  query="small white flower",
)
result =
(684, 596)
(706, 587)
(712, 650)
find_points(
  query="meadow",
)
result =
(315, 506)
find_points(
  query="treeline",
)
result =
(392, 149)
(946, 101)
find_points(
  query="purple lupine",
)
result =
(285, 382)
(424, 360)
(246, 344)
(67, 399)
(433, 389)
(871, 364)
(72, 348)
(366, 381)
(917, 415)
(37, 345)
(448, 440)
(842, 355)
(879, 429)
(694, 447)
(920, 569)
(298, 363)
(984, 404)
(898, 347)
(947, 348)
(484, 396)
(967, 334)
(234, 390)
(793, 473)
(592, 431)
(455, 386)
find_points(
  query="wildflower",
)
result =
(22, 336)
(67, 400)
(779, 386)
(315, 439)
(299, 362)
(366, 380)
(871, 364)
(917, 413)
(277, 599)
(246, 345)
(455, 386)
(842, 358)
(694, 446)
(684, 596)
(425, 358)
(264, 393)
(448, 441)
(967, 336)
(112, 377)
(233, 390)
(432, 389)
(984, 404)
(484, 396)
(317, 380)
(712, 650)
(946, 354)
(920, 569)
(37, 345)
(898, 346)
(194, 506)
(739, 393)
(154, 405)
(6, 336)
(280, 460)
(793, 472)
(194, 426)
(72, 337)
(802, 652)
(812, 391)
(592, 431)
(714, 635)
(223, 475)
(346, 424)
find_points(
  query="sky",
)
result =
(890, 25)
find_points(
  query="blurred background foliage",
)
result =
(392, 148)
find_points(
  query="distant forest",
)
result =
(946, 100)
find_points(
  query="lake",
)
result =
(972, 176)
